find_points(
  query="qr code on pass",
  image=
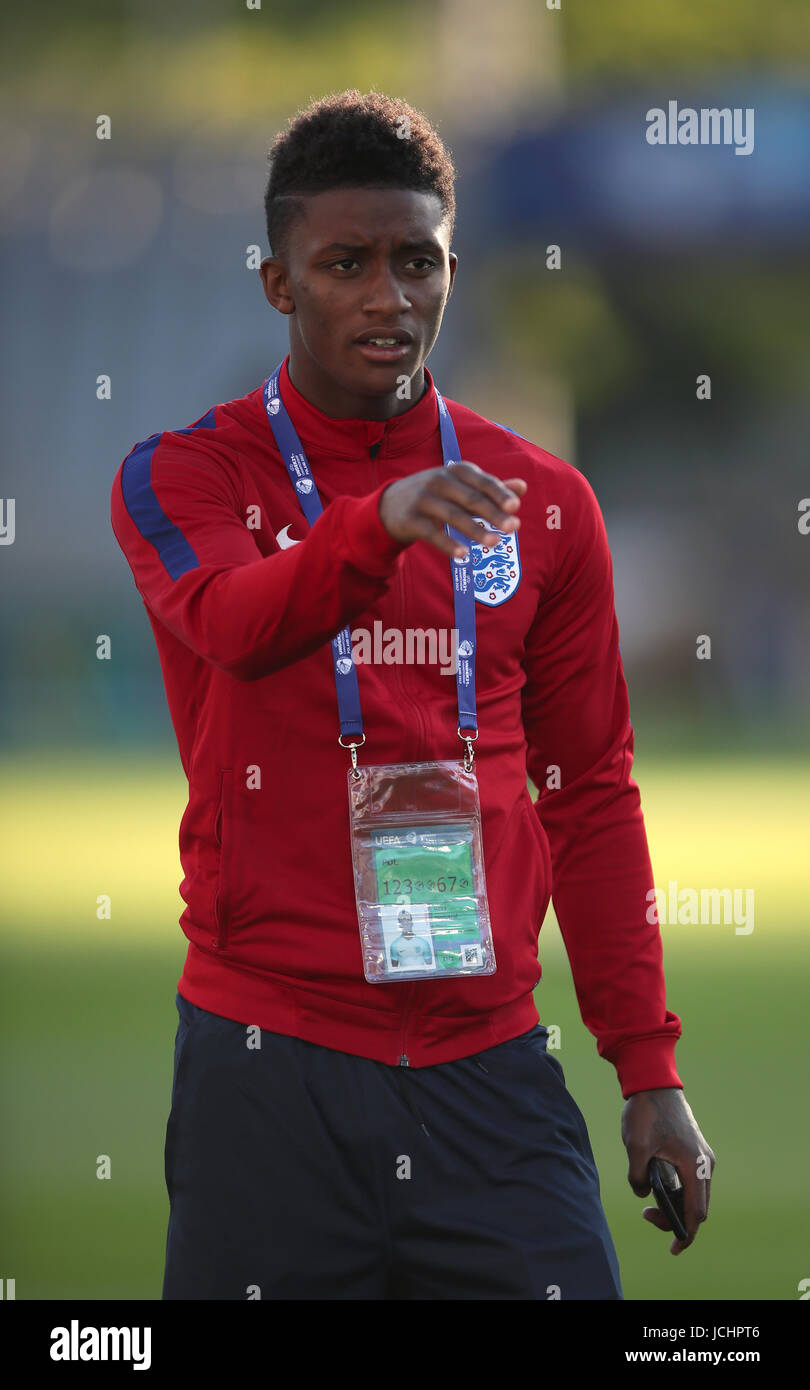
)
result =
(471, 956)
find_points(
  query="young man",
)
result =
(335, 1133)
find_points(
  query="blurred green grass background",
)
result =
(88, 1022)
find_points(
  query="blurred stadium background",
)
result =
(127, 257)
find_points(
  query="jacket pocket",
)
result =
(542, 841)
(223, 835)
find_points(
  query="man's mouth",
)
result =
(384, 347)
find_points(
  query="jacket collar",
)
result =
(352, 436)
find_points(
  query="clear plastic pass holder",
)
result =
(419, 872)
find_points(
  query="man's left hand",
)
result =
(660, 1124)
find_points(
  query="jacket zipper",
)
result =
(406, 696)
(404, 1060)
(408, 989)
(414, 703)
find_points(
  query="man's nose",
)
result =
(385, 294)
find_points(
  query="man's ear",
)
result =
(276, 284)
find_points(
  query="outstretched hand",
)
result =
(419, 506)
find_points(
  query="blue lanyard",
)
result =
(348, 694)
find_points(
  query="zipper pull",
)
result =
(403, 1061)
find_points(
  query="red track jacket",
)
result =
(244, 598)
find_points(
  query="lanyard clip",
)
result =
(470, 753)
(354, 747)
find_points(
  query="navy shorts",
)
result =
(296, 1171)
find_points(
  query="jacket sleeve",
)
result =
(576, 718)
(179, 521)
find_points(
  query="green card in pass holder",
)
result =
(419, 871)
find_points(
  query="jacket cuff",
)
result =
(367, 544)
(646, 1065)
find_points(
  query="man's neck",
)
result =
(324, 393)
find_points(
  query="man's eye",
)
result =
(418, 261)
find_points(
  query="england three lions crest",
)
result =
(496, 569)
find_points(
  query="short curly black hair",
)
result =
(354, 140)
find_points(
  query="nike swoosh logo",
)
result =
(284, 540)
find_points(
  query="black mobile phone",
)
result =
(668, 1192)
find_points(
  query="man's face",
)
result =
(362, 259)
